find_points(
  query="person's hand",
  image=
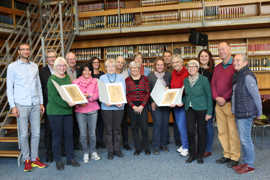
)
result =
(220, 101)
(71, 104)
(172, 105)
(179, 105)
(42, 109)
(140, 109)
(108, 104)
(119, 105)
(153, 106)
(207, 117)
(135, 108)
(15, 111)
(82, 105)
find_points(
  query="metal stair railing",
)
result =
(50, 32)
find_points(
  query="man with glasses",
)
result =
(26, 102)
(44, 74)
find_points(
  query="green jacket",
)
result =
(56, 105)
(199, 95)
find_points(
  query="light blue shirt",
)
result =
(23, 84)
(114, 78)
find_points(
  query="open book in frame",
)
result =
(111, 93)
(166, 97)
(70, 93)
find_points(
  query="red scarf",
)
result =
(178, 78)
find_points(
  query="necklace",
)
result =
(113, 79)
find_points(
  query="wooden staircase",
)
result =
(43, 26)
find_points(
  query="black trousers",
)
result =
(139, 122)
(48, 135)
(112, 126)
(196, 126)
(124, 126)
(99, 128)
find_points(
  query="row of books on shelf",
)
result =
(259, 64)
(152, 50)
(216, 12)
(100, 6)
(259, 48)
(167, 16)
(98, 22)
(158, 2)
(86, 54)
(125, 51)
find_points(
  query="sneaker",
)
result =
(240, 166)
(86, 158)
(232, 163)
(184, 152)
(38, 164)
(95, 156)
(245, 170)
(27, 166)
(179, 149)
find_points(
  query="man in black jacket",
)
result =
(44, 74)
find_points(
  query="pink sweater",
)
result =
(221, 83)
(89, 86)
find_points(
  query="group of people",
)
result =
(227, 93)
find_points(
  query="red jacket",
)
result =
(178, 78)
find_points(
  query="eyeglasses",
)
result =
(95, 62)
(61, 66)
(51, 56)
(192, 67)
(24, 49)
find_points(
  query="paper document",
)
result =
(166, 97)
(70, 93)
(111, 93)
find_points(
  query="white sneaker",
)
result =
(184, 152)
(86, 158)
(95, 156)
(180, 149)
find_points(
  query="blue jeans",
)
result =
(209, 135)
(180, 117)
(87, 120)
(26, 114)
(160, 128)
(62, 127)
(244, 129)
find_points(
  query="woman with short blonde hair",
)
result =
(112, 115)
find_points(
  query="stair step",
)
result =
(8, 139)
(10, 126)
(9, 153)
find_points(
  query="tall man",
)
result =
(73, 72)
(44, 74)
(26, 103)
(222, 92)
(167, 56)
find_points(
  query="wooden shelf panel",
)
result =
(171, 38)
(11, 11)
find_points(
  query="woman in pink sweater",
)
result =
(87, 113)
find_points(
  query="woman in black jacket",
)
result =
(160, 115)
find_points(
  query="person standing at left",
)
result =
(246, 105)
(73, 71)
(26, 102)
